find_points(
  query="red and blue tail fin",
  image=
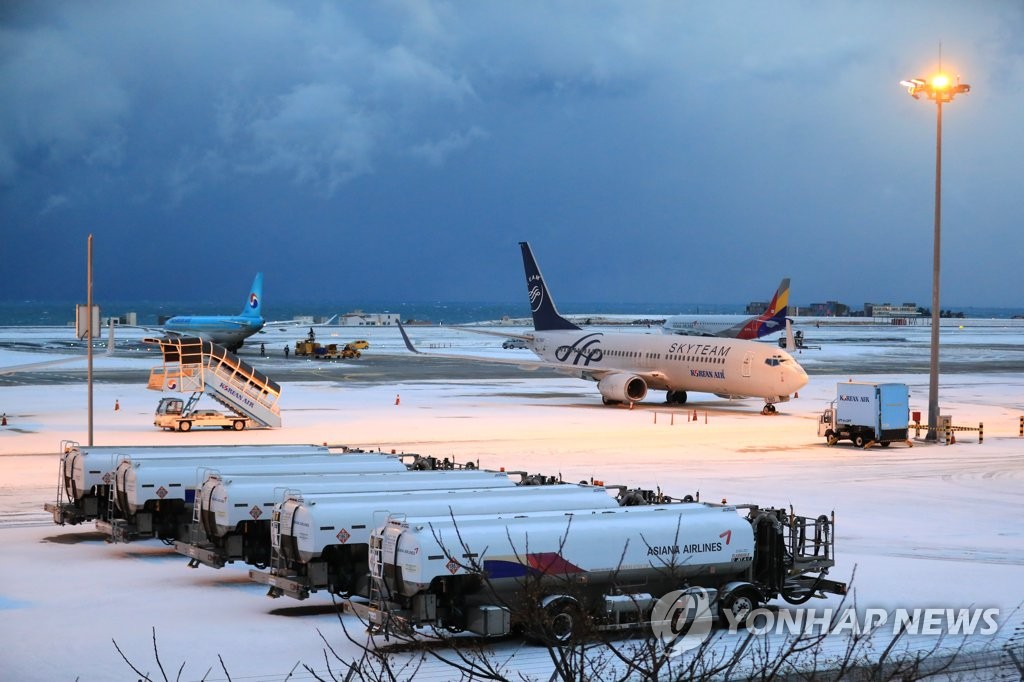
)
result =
(771, 320)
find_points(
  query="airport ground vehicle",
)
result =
(171, 417)
(513, 343)
(86, 472)
(867, 414)
(331, 351)
(557, 576)
(155, 497)
(232, 514)
(321, 542)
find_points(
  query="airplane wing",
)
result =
(491, 332)
(524, 364)
(568, 370)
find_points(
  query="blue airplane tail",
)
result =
(254, 303)
(545, 315)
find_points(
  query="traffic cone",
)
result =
(398, 399)
(117, 405)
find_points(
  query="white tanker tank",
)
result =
(234, 511)
(321, 542)
(551, 574)
(86, 472)
(155, 496)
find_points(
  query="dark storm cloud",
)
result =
(664, 152)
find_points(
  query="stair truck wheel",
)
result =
(238, 425)
(185, 426)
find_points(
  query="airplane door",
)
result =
(748, 361)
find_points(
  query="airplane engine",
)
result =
(622, 388)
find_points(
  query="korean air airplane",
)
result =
(772, 320)
(627, 365)
(229, 331)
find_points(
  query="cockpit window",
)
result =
(774, 361)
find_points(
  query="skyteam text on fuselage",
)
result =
(229, 331)
(626, 365)
(772, 320)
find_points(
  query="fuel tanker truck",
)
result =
(154, 497)
(86, 471)
(232, 513)
(556, 577)
(321, 542)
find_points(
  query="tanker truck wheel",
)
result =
(739, 605)
(561, 622)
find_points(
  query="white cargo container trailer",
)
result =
(867, 414)
(550, 576)
(154, 497)
(321, 542)
(232, 513)
(86, 471)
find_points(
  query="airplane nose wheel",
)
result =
(768, 409)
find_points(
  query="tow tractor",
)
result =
(172, 416)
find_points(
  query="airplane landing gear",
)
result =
(769, 408)
(675, 397)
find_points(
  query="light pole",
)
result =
(940, 90)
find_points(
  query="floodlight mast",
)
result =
(940, 90)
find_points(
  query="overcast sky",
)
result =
(651, 152)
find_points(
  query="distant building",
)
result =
(830, 309)
(905, 313)
(757, 307)
(129, 319)
(357, 318)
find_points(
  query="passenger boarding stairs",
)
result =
(192, 365)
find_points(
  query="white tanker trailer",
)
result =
(233, 512)
(154, 497)
(558, 577)
(321, 542)
(86, 471)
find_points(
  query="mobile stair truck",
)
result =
(192, 365)
(867, 414)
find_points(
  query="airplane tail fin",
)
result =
(254, 303)
(774, 318)
(545, 315)
(110, 340)
(790, 340)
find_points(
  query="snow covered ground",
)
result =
(928, 526)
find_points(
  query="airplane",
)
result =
(772, 320)
(229, 331)
(626, 365)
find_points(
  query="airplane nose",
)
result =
(797, 378)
